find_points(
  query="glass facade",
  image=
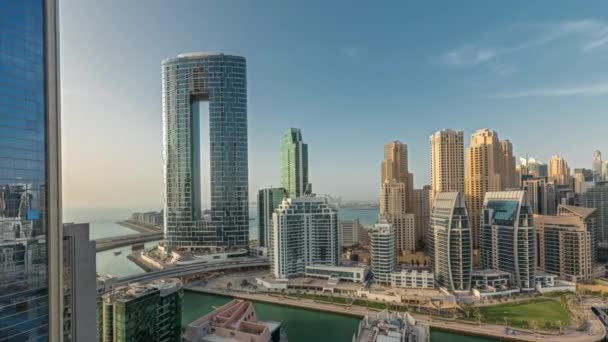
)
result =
(294, 164)
(220, 80)
(269, 199)
(450, 246)
(508, 237)
(24, 294)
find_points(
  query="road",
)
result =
(105, 244)
(194, 269)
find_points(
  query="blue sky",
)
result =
(352, 75)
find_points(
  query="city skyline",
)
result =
(465, 80)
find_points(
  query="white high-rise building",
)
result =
(384, 257)
(304, 232)
(349, 232)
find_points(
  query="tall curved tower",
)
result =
(220, 80)
(449, 242)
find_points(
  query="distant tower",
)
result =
(597, 197)
(597, 165)
(294, 164)
(447, 162)
(450, 247)
(559, 172)
(397, 195)
(483, 174)
(220, 80)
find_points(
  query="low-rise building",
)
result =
(235, 321)
(413, 279)
(337, 273)
(391, 327)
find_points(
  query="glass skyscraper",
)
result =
(30, 230)
(269, 199)
(294, 164)
(450, 245)
(508, 237)
(221, 80)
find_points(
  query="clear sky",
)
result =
(352, 75)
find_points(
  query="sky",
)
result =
(353, 75)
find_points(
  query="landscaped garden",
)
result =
(542, 313)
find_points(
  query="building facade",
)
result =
(294, 164)
(413, 279)
(567, 243)
(597, 197)
(449, 242)
(541, 195)
(559, 171)
(483, 174)
(79, 283)
(220, 80)
(508, 176)
(447, 162)
(142, 313)
(31, 290)
(304, 232)
(597, 166)
(422, 212)
(384, 257)
(508, 237)
(349, 232)
(393, 207)
(269, 199)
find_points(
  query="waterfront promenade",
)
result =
(598, 332)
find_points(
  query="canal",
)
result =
(301, 325)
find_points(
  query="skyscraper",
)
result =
(393, 204)
(597, 197)
(508, 169)
(597, 166)
(483, 174)
(447, 162)
(304, 232)
(541, 195)
(567, 242)
(79, 284)
(559, 172)
(508, 238)
(422, 211)
(397, 195)
(31, 290)
(384, 258)
(583, 179)
(187, 81)
(269, 199)
(294, 164)
(449, 243)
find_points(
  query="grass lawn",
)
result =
(548, 313)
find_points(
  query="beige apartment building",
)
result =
(559, 172)
(567, 243)
(422, 211)
(397, 195)
(490, 167)
(447, 162)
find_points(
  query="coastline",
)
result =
(461, 328)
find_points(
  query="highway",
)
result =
(194, 269)
(105, 244)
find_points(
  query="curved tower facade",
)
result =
(220, 80)
(450, 246)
